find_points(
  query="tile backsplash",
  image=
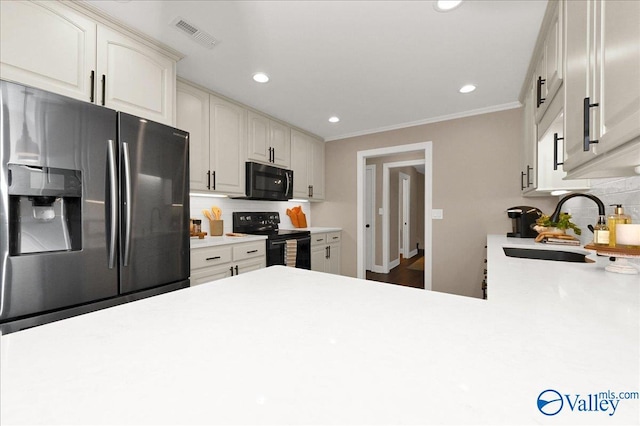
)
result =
(625, 191)
(229, 205)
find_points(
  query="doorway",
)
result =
(426, 149)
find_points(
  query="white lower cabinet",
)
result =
(217, 262)
(325, 252)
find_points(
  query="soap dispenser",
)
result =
(617, 218)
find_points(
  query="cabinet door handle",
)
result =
(214, 180)
(586, 107)
(252, 251)
(335, 238)
(326, 252)
(237, 270)
(104, 88)
(555, 151)
(231, 269)
(93, 86)
(522, 181)
(529, 168)
(540, 100)
(208, 179)
(213, 258)
(309, 191)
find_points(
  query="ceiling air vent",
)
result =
(192, 31)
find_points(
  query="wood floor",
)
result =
(401, 274)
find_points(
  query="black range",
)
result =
(267, 223)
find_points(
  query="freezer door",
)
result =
(52, 146)
(154, 194)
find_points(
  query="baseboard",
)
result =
(393, 264)
(378, 269)
(413, 253)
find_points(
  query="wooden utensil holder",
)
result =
(216, 227)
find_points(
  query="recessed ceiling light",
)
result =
(260, 77)
(446, 5)
(468, 88)
(334, 119)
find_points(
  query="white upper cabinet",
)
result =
(48, 46)
(268, 141)
(227, 138)
(307, 163)
(528, 172)
(217, 136)
(192, 108)
(602, 79)
(135, 78)
(548, 76)
(57, 47)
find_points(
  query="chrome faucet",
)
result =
(555, 216)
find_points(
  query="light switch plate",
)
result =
(436, 214)
(380, 211)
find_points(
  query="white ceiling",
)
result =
(375, 64)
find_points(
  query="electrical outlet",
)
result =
(436, 214)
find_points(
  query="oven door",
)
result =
(276, 252)
(268, 183)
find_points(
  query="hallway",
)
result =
(402, 274)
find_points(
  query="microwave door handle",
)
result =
(286, 192)
(113, 199)
(127, 200)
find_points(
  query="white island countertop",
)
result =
(290, 346)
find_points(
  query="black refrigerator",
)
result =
(94, 209)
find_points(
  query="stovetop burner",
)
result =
(263, 223)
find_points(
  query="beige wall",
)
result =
(417, 203)
(476, 172)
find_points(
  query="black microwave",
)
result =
(265, 182)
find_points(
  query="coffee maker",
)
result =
(523, 217)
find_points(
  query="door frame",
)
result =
(427, 149)
(370, 259)
(387, 264)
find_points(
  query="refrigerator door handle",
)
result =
(113, 197)
(127, 204)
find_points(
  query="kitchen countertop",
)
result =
(288, 346)
(222, 240)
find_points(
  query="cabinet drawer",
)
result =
(318, 239)
(333, 237)
(210, 256)
(209, 274)
(249, 250)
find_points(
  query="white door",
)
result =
(369, 207)
(405, 203)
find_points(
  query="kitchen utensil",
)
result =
(207, 214)
(217, 213)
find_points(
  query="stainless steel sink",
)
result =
(541, 254)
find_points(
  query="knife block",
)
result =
(216, 227)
